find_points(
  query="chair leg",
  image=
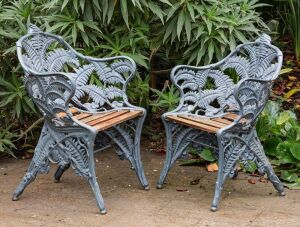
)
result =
(220, 178)
(137, 163)
(96, 190)
(169, 156)
(91, 176)
(27, 179)
(258, 150)
(39, 163)
(59, 172)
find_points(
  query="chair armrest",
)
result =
(251, 96)
(52, 93)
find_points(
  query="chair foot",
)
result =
(104, 211)
(282, 193)
(159, 186)
(147, 188)
(213, 208)
(15, 198)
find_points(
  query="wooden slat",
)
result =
(231, 116)
(82, 115)
(205, 121)
(222, 120)
(73, 110)
(193, 124)
(96, 116)
(117, 120)
(108, 117)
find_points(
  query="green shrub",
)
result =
(279, 132)
(136, 28)
(206, 30)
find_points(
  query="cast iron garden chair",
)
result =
(59, 81)
(215, 112)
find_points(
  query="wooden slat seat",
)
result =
(211, 125)
(102, 121)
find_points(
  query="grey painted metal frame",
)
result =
(57, 78)
(257, 64)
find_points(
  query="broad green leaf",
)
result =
(191, 11)
(172, 10)
(293, 186)
(65, 2)
(289, 176)
(207, 155)
(295, 150)
(180, 23)
(284, 152)
(270, 145)
(124, 11)
(171, 26)
(210, 50)
(188, 28)
(156, 10)
(240, 36)
(82, 2)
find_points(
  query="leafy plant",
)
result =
(292, 22)
(167, 99)
(206, 30)
(138, 91)
(14, 97)
(279, 132)
(6, 144)
(205, 155)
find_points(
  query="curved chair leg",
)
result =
(257, 149)
(169, 155)
(137, 163)
(27, 179)
(59, 172)
(96, 190)
(39, 162)
(220, 178)
(92, 176)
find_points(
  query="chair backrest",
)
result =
(55, 74)
(209, 90)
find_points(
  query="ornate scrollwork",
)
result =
(258, 60)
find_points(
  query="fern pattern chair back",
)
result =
(42, 55)
(209, 90)
(218, 113)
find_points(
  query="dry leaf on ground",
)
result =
(212, 167)
(251, 181)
